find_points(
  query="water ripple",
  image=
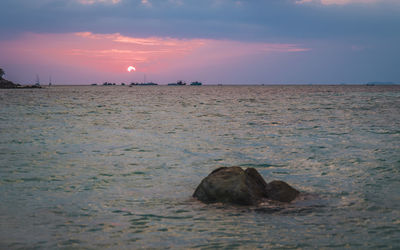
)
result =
(115, 167)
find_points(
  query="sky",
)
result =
(212, 41)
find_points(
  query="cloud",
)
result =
(153, 51)
(342, 2)
(98, 1)
(214, 19)
(176, 2)
(146, 3)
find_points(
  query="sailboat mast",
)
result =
(37, 80)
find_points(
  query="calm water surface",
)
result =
(115, 167)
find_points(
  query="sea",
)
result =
(115, 167)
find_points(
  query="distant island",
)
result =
(381, 83)
(6, 84)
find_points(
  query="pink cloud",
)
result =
(88, 2)
(146, 3)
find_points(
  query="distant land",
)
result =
(382, 83)
(9, 84)
(6, 84)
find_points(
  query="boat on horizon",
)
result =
(109, 84)
(196, 83)
(37, 83)
(143, 84)
(178, 83)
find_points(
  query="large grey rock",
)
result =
(243, 187)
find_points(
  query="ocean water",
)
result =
(115, 167)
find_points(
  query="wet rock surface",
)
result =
(233, 185)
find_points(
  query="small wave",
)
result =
(306, 203)
(262, 165)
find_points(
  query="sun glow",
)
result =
(131, 68)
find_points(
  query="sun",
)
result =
(131, 68)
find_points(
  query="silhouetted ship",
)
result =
(109, 84)
(143, 84)
(196, 83)
(178, 83)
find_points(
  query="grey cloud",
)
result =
(223, 19)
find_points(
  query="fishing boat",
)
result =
(178, 83)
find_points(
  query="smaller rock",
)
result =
(281, 191)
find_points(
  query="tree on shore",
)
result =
(1, 73)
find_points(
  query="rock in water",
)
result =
(281, 191)
(227, 185)
(243, 187)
